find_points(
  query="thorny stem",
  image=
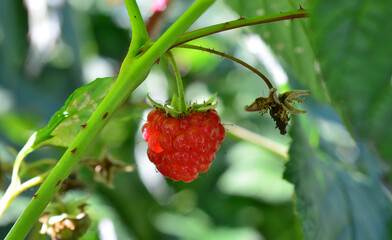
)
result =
(241, 22)
(180, 86)
(222, 54)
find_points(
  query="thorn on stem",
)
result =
(300, 8)
(84, 125)
(42, 181)
(74, 150)
(35, 195)
(58, 182)
(105, 115)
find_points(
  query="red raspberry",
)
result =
(182, 148)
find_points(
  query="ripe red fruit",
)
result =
(181, 148)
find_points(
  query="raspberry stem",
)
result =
(228, 56)
(180, 86)
(241, 22)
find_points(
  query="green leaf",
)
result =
(336, 200)
(289, 39)
(66, 123)
(353, 39)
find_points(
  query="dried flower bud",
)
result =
(279, 107)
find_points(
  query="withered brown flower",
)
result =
(279, 106)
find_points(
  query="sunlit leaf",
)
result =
(336, 201)
(66, 123)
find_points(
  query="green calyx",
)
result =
(178, 107)
(174, 110)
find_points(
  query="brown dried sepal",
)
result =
(279, 107)
(106, 167)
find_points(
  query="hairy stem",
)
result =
(180, 86)
(241, 22)
(132, 73)
(222, 54)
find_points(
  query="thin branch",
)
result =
(180, 86)
(241, 22)
(222, 54)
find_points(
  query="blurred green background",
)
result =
(339, 151)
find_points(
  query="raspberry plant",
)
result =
(183, 138)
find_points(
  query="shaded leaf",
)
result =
(333, 200)
(353, 40)
(66, 123)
